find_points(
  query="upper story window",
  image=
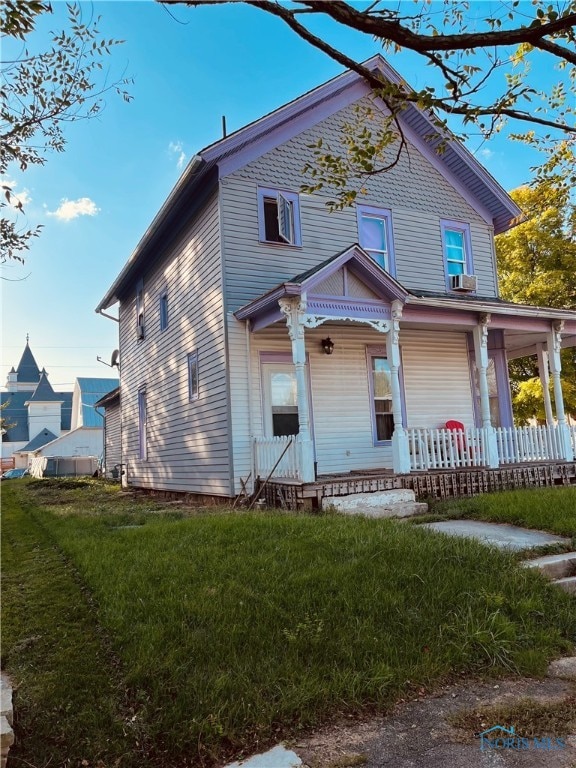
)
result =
(193, 379)
(279, 216)
(140, 309)
(375, 235)
(457, 248)
(163, 311)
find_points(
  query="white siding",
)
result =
(418, 196)
(187, 441)
(83, 441)
(113, 437)
(436, 380)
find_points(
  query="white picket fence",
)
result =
(267, 452)
(519, 444)
(446, 448)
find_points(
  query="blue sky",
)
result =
(190, 66)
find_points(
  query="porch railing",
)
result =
(267, 453)
(573, 438)
(520, 444)
(447, 449)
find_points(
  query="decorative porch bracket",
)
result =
(554, 348)
(480, 335)
(297, 319)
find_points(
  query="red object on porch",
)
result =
(457, 426)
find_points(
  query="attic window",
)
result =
(279, 216)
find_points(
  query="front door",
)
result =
(280, 402)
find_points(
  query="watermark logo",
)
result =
(502, 737)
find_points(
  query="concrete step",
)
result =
(568, 584)
(399, 502)
(554, 566)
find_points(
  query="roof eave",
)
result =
(191, 174)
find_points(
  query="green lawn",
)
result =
(141, 634)
(546, 509)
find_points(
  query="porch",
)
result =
(440, 484)
(347, 372)
(436, 449)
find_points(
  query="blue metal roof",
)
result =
(44, 392)
(15, 413)
(41, 439)
(92, 390)
(28, 370)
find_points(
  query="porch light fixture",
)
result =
(327, 345)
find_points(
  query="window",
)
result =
(142, 425)
(375, 235)
(280, 392)
(457, 249)
(279, 216)
(381, 394)
(163, 311)
(193, 376)
(140, 309)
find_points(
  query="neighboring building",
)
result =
(110, 404)
(42, 422)
(249, 313)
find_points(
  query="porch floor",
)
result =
(442, 484)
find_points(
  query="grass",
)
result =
(174, 637)
(530, 718)
(545, 509)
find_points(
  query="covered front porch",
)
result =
(421, 379)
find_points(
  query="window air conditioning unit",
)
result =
(464, 282)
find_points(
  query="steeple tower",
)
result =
(27, 374)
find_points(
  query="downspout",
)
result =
(250, 416)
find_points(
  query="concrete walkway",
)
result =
(500, 535)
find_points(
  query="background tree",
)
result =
(40, 93)
(537, 265)
(486, 59)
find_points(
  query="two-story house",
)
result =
(262, 334)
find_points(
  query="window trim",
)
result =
(464, 228)
(386, 215)
(140, 306)
(163, 309)
(380, 351)
(288, 196)
(142, 424)
(192, 360)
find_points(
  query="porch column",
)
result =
(554, 347)
(293, 310)
(480, 334)
(400, 447)
(544, 374)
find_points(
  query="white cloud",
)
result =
(177, 148)
(486, 153)
(71, 209)
(17, 199)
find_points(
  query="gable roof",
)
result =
(44, 392)
(91, 392)
(264, 310)
(237, 149)
(42, 438)
(27, 370)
